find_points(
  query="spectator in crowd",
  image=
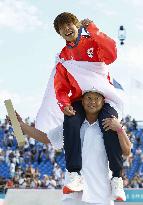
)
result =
(3, 185)
(2, 159)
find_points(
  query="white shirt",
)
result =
(31, 141)
(12, 167)
(95, 169)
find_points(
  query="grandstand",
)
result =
(39, 166)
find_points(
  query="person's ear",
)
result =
(82, 101)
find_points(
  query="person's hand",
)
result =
(18, 117)
(68, 110)
(111, 124)
(85, 22)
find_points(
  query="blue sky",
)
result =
(28, 45)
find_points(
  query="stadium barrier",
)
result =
(53, 197)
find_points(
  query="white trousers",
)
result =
(78, 202)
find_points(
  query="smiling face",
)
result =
(67, 24)
(69, 32)
(92, 102)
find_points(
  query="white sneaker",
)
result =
(118, 193)
(75, 184)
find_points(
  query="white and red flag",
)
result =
(89, 76)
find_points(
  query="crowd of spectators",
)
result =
(20, 161)
(135, 135)
(23, 163)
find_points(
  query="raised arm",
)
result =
(32, 131)
(115, 125)
(107, 51)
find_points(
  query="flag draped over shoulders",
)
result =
(88, 75)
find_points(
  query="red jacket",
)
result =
(104, 50)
